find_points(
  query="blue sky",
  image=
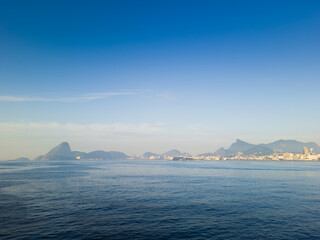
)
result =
(141, 76)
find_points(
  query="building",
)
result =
(305, 151)
(287, 156)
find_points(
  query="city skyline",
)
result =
(135, 76)
(239, 150)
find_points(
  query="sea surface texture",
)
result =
(159, 200)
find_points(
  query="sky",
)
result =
(137, 76)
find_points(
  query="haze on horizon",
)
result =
(138, 76)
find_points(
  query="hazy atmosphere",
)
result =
(149, 120)
(137, 76)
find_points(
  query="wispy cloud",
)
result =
(81, 98)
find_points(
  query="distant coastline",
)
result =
(281, 150)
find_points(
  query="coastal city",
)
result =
(306, 155)
(281, 150)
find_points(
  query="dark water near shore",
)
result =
(159, 200)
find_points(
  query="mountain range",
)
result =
(292, 146)
(63, 152)
(171, 153)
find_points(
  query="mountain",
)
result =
(63, 152)
(171, 153)
(292, 146)
(239, 146)
(60, 152)
(222, 152)
(258, 151)
(267, 149)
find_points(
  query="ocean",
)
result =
(159, 200)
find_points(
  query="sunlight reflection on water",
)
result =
(159, 200)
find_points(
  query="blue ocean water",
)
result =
(159, 200)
